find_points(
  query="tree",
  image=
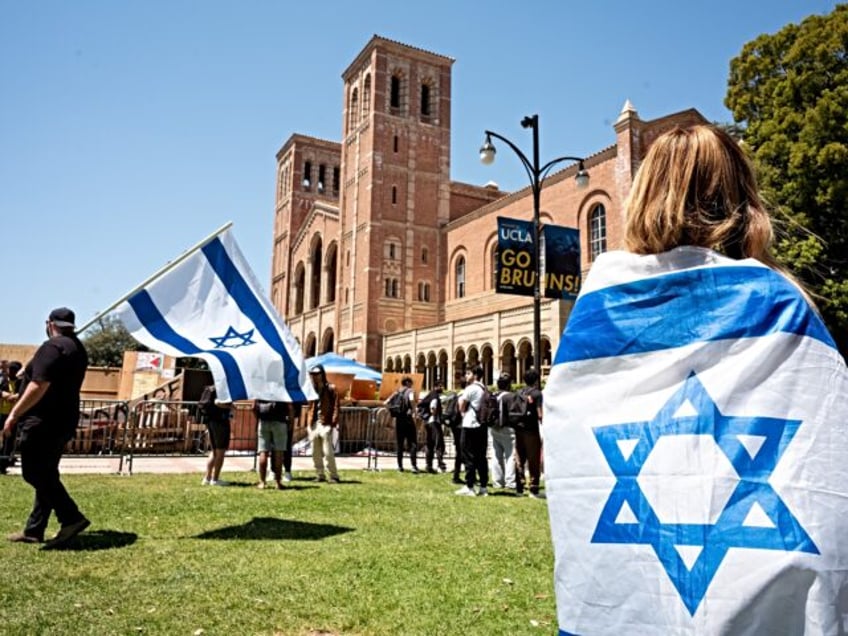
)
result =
(790, 92)
(106, 342)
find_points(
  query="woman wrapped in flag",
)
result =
(695, 446)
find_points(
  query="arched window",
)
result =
(315, 277)
(424, 254)
(299, 280)
(598, 231)
(354, 109)
(398, 93)
(394, 195)
(366, 96)
(322, 176)
(307, 175)
(460, 277)
(332, 263)
(392, 288)
(394, 97)
(425, 102)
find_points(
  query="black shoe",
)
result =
(457, 480)
(432, 470)
(415, 470)
(400, 469)
(66, 533)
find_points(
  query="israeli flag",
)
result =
(696, 455)
(211, 306)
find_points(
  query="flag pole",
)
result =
(162, 271)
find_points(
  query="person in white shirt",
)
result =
(474, 435)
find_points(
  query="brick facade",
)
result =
(366, 264)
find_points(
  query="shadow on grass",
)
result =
(269, 528)
(99, 540)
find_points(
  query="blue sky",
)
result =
(131, 130)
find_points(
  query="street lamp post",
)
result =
(537, 176)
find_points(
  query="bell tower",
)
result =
(395, 194)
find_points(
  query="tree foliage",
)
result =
(790, 92)
(106, 342)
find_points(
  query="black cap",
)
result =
(62, 317)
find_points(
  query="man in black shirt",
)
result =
(48, 412)
(528, 439)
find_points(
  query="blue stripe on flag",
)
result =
(250, 305)
(681, 308)
(153, 320)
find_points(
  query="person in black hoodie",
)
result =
(48, 412)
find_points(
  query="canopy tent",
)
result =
(334, 363)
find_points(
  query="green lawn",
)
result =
(381, 553)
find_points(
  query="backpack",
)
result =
(517, 408)
(489, 412)
(423, 406)
(450, 410)
(398, 404)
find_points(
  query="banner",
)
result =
(516, 257)
(562, 261)
(211, 306)
(696, 461)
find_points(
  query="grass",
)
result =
(380, 553)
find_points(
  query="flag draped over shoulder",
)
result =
(211, 306)
(696, 453)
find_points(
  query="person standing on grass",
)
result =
(431, 407)
(405, 432)
(474, 435)
(218, 416)
(10, 391)
(48, 412)
(528, 439)
(503, 441)
(325, 418)
(271, 438)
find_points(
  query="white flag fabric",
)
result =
(211, 306)
(696, 456)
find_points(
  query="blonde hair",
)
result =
(697, 187)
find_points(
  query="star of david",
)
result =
(754, 516)
(233, 339)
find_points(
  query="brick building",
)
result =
(380, 256)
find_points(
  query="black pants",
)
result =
(8, 447)
(435, 444)
(287, 454)
(405, 432)
(40, 455)
(456, 433)
(528, 454)
(474, 444)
